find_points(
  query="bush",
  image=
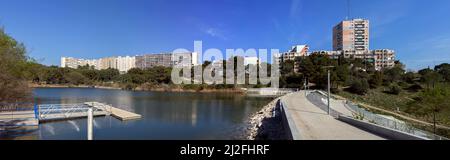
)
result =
(359, 86)
(334, 90)
(415, 88)
(395, 89)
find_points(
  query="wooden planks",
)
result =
(118, 113)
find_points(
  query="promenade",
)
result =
(313, 123)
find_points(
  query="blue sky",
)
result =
(419, 30)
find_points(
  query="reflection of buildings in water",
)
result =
(125, 101)
(68, 101)
(194, 113)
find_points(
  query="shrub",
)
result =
(359, 86)
(415, 88)
(395, 89)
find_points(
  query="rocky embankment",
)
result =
(267, 123)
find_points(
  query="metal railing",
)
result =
(10, 111)
(363, 114)
(392, 123)
(47, 111)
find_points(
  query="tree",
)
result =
(395, 89)
(376, 79)
(431, 102)
(75, 78)
(359, 86)
(13, 84)
(410, 77)
(429, 77)
(287, 67)
(444, 71)
(395, 73)
(107, 75)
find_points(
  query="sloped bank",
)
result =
(267, 124)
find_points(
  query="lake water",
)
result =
(167, 116)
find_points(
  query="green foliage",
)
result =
(395, 89)
(376, 80)
(429, 77)
(444, 71)
(410, 77)
(432, 100)
(75, 78)
(415, 88)
(359, 116)
(359, 86)
(394, 74)
(13, 60)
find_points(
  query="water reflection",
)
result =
(165, 115)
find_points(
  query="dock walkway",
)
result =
(120, 114)
(54, 112)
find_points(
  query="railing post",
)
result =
(89, 124)
(36, 114)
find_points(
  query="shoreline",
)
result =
(266, 123)
(157, 89)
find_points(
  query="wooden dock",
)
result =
(63, 116)
(56, 112)
(120, 114)
(18, 118)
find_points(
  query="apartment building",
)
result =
(123, 64)
(108, 62)
(351, 35)
(126, 63)
(251, 60)
(296, 51)
(167, 60)
(380, 58)
(384, 58)
(69, 62)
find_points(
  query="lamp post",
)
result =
(304, 86)
(328, 92)
(329, 87)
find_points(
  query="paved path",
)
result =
(314, 124)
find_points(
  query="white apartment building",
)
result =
(251, 60)
(185, 59)
(71, 62)
(126, 63)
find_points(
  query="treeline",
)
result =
(146, 79)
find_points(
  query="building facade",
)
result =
(351, 35)
(384, 58)
(380, 58)
(125, 63)
(251, 60)
(69, 62)
(167, 60)
(296, 51)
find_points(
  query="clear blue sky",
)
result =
(419, 30)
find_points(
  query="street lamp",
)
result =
(329, 90)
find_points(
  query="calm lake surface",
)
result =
(166, 116)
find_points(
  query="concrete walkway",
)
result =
(314, 124)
